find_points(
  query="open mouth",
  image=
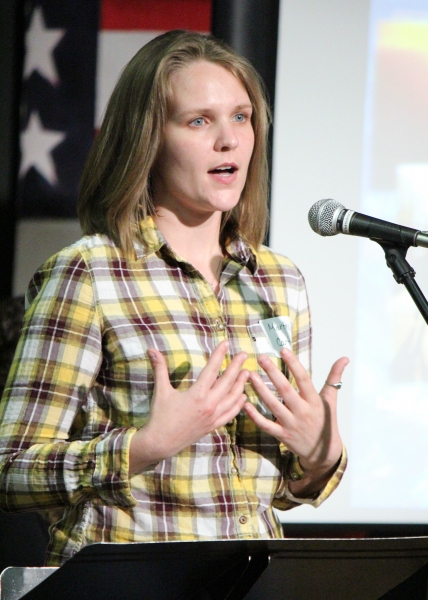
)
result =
(226, 170)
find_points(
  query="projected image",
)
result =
(390, 412)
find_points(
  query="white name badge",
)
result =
(278, 332)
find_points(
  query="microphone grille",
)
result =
(322, 216)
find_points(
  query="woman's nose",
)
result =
(226, 138)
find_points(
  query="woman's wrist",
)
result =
(307, 480)
(142, 452)
(320, 465)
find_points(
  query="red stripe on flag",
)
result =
(159, 15)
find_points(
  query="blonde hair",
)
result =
(115, 187)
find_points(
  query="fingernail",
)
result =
(151, 354)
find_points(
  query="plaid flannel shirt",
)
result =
(81, 383)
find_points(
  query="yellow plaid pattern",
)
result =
(81, 385)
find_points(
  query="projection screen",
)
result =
(351, 123)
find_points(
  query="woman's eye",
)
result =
(240, 118)
(198, 122)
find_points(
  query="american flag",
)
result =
(74, 53)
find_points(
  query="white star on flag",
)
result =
(40, 42)
(36, 146)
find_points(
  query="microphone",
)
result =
(329, 217)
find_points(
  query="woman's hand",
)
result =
(178, 419)
(306, 422)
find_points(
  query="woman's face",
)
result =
(207, 144)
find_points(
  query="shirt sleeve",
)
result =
(44, 462)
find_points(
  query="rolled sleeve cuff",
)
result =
(287, 500)
(110, 478)
(328, 489)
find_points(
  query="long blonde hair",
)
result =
(115, 187)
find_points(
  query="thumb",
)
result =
(160, 372)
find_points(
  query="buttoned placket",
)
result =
(212, 306)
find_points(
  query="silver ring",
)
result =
(336, 386)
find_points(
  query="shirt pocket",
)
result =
(260, 343)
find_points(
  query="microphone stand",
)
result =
(395, 255)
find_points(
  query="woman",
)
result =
(145, 396)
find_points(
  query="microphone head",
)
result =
(323, 216)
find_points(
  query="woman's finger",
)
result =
(229, 414)
(279, 410)
(160, 372)
(231, 399)
(280, 382)
(209, 373)
(300, 374)
(223, 384)
(270, 427)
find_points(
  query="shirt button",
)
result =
(243, 519)
(234, 471)
(219, 325)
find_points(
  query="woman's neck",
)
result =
(198, 243)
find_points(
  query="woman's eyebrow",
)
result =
(207, 110)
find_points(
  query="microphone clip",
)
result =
(395, 255)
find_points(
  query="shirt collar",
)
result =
(150, 240)
(242, 253)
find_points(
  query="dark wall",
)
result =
(251, 28)
(11, 35)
